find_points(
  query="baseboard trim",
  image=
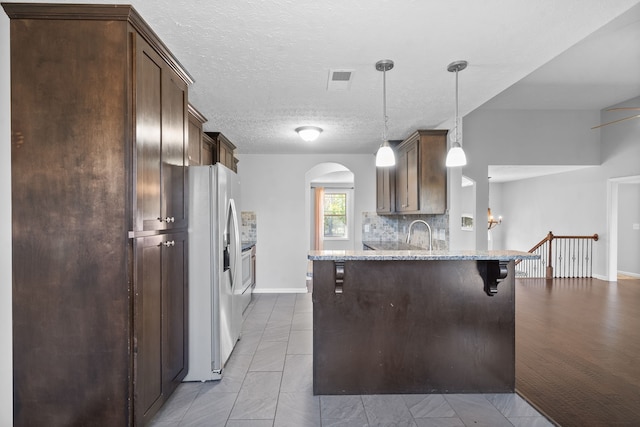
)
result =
(280, 290)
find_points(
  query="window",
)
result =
(335, 214)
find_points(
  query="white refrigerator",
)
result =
(215, 270)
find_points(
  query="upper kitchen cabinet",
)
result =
(208, 148)
(420, 173)
(225, 151)
(98, 172)
(385, 190)
(161, 141)
(196, 120)
(201, 145)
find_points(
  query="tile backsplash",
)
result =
(249, 227)
(393, 228)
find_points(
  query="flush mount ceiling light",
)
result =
(456, 156)
(309, 133)
(384, 156)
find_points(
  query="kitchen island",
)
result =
(414, 321)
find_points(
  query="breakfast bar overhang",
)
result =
(387, 322)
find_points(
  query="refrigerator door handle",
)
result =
(235, 244)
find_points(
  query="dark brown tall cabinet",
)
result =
(99, 156)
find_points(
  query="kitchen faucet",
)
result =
(428, 227)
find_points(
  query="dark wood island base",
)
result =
(413, 326)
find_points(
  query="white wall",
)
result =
(6, 364)
(628, 236)
(273, 186)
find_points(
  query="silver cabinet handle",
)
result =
(167, 219)
(169, 243)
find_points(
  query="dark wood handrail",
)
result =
(549, 238)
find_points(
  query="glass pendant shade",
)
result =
(385, 156)
(456, 156)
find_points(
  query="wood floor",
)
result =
(578, 350)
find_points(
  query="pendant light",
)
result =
(384, 156)
(456, 156)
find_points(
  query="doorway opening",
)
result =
(623, 244)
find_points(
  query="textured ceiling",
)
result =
(261, 66)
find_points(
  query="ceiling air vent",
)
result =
(339, 80)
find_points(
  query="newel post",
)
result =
(549, 271)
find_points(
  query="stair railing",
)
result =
(560, 256)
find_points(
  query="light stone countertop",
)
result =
(419, 255)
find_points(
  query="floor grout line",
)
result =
(276, 306)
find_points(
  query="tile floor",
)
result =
(268, 383)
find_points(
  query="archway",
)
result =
(330, 178)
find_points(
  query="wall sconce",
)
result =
(492, 221)
(309, 133)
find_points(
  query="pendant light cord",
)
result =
(384, 106)
(457, 139)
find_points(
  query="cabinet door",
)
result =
(206, 157)
(148, 112)
(174, 268)
(385, 190)
(407, 178)
(160, 320)
(174, 150)
(433, 172)
(161, 142)
(412, 178)
(223, 153)
(147, 319)
(195, 141)
(401, 182)
(231, 163)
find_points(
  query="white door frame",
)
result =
(613, 205)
